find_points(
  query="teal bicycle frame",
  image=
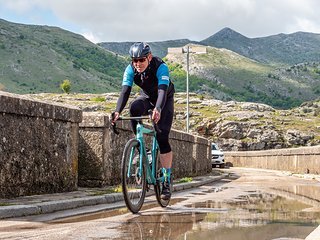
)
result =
(136, 176)
(150, 173)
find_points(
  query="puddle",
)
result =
(255, 215)
(199, 193)
(215, 189)
(306, 192)
(109, 213)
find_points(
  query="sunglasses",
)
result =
(135, 60)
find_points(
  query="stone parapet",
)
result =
(20, 105)
(38, 146)
(297, 160)
(100, 151)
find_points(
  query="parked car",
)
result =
(217, 158)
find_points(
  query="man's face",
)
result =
(141, 64)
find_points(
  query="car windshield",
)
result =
(214, 147)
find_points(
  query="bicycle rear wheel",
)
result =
(134, 185)
(159, 182)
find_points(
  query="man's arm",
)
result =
(163, 84)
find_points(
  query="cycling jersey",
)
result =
(157, 91)
(154, 82)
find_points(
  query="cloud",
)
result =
(91, 37)
(136, 20)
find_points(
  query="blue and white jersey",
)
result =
(155, 77)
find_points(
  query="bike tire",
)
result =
(134, 187)
(158, 186)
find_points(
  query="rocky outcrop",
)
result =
(254, 126)
(234, 125)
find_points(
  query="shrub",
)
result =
(66, 86)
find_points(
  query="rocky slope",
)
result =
(234, 125)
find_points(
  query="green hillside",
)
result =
(38, 58)
(230, 76)
(281, 70)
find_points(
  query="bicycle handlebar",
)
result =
(133, 118)
(155, 126)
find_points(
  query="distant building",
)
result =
(175, 50)
(192, 49)
(198, 49)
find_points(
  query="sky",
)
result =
(160, 20)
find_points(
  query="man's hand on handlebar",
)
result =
(114, 117)
(156, 115)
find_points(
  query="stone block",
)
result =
(38, 147)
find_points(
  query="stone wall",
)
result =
(38, 146)
(100, 152)
(297, 160)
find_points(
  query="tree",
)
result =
(66, 86)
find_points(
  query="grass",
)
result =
(185, 180)
(5, 204)
(115, 189)
(98, 99)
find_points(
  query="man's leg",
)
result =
(166, 160)
(166, 154)
(138, 107)
(166, 163)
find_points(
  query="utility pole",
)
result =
(187, 49)
(187, 89)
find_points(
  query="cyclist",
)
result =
(151, 74)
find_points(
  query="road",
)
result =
(248, 204)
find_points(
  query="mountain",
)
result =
(281, 49)
(288, 49)
(281, 70)
(38, 58)
(159, 49)
(227, 75)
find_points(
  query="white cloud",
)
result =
(19, 6)
(305, 25)
(156, 20)
(91, 37)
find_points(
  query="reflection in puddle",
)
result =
(256, 215)
(309, 193)
(161, 226)
(216, 189)
(199, 193)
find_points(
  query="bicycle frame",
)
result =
(151, 173)
(137, 176)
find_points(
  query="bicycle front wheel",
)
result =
(134, 185)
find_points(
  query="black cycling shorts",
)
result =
(141, 105)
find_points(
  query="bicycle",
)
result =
(157, 226)
(139, 169)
